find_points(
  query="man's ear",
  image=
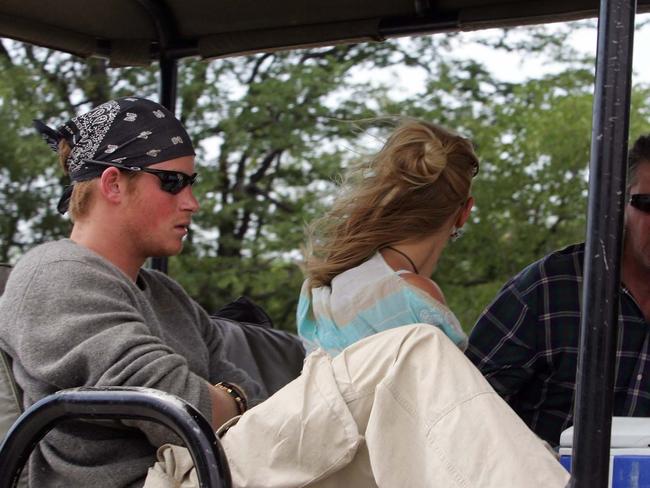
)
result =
(112, 185)
(464, 213)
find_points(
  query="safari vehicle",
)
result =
(142, 31)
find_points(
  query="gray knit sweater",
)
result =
(70, 318)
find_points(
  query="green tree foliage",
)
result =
(533, 139)
(271, 126)
(38, 83)
(274, 131)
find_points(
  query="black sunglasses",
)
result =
(170, 181)
(641, 201)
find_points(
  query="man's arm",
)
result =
(221, 369)
(502, 343)
(171, 298)
(77, 325)
(224, 407)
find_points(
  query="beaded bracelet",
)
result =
(236, 393)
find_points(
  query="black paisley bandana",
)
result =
(129, 131)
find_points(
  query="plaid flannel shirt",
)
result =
(526, 345)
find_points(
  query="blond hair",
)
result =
(409, 189)
(82, 193)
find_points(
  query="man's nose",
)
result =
(189, 202)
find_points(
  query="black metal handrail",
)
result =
(116, 403)
(599, 314)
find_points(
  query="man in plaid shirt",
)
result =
(526, 341)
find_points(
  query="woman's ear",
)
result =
(465, 211)
(111, 185)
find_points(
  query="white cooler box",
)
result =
(629, 462)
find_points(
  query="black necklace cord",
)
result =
(415, 269)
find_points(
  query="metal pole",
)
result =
(599, 314)
(163, 21)
(167, 96)
(168, 83)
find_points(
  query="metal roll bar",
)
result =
(116, 403)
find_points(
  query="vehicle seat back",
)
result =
(10, 393)
(11, 396)
(5, 269)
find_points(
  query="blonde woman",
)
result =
(371, 256)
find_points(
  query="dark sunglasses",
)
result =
(641, 201)
(170, 181)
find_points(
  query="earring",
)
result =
(456, 233)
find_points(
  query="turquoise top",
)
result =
(365, 300)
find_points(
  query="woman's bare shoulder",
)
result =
(426, 285)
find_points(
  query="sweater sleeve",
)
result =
(80, 326)
(221, 369)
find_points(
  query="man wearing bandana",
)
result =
(401, 407)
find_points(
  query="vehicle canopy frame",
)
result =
(137, 32)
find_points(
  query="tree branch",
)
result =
(240, 174)
(256, 190)
(257, 66)
(243, 225)
(4, 54)
(59, 83)
(224, 185)
(264, 166)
